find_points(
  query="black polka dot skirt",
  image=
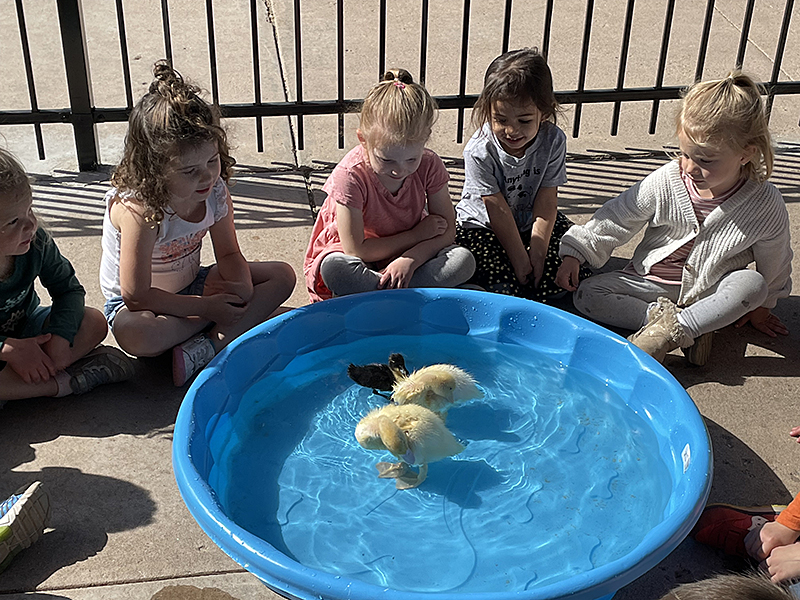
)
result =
(493, 270)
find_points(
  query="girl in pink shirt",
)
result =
(388, 220)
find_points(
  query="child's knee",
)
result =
(94, 324)
(136, 338)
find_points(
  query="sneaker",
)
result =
(662, 334)
(698, 353)
(102, 365)
(725, 526)
(23, 518)
(189, 357)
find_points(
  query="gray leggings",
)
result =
(344, 274)
(622, 300)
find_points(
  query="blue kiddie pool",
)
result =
(586, 463)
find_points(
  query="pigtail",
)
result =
(397, 110)
(730, 112)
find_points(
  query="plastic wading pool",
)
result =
(262, 400)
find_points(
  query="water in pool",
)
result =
(559, 476)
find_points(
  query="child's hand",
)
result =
(397, 274)
(430, 227)
(783, 564)
(763, 320)
(522, 268)
(537, 253)
(761, 541)
(57, 348)
(567, 276)
(795, 433)
(224, 309)
(27, 358)
(243, 289)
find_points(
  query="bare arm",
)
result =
(505, 228)
(545, 209)
(135, 274)
(231, 264)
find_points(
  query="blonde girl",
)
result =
(707, 215)
(45, 350)
(170, 190)
(388, 220)
(508, 214)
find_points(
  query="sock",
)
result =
(64, 388)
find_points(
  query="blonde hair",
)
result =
(518, 76)
(14, 182)
(730, 587)
(729, 112)
(397, 111)
(169, 119)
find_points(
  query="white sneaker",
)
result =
(23, 518)
(190, 357)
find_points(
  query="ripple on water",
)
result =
(558, 476)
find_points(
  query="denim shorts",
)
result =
(113, 304)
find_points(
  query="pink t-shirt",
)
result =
(353, 183)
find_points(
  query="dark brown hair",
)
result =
(169, 119)
(518, 76)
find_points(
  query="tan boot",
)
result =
(653, 314)
(662, 334)
(698, 353)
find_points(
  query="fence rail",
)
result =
(84, 115)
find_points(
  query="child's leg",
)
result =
(493, 270)
(619, 299)
(91, 332)
(344, 275)
(451, 267)
(273, 283)
(736, 294)
(143, 333)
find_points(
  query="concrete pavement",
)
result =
(120, 529)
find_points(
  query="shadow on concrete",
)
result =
(740, 477)
(85, 507)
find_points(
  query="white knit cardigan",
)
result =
(752, 225)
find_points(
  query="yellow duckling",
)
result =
(436, 387)
(414, 434)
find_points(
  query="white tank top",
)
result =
(176, 254)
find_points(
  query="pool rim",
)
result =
(285, 575)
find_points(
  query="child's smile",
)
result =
(515, 125)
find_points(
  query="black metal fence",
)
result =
(83, 115)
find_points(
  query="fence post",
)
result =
(70, 17)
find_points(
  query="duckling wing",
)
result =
(375, 376)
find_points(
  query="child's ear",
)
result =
(361, 139)
(748, 154)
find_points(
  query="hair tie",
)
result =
(399, 84)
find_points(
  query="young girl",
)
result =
(44, 349)
(513, 166)
(170, 189)
(707, 215)
(373, 231)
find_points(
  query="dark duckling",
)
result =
(379, 376)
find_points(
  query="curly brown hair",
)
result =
(170, 118)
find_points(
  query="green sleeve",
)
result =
(58, 277)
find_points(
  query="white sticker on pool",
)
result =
(686, 455)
